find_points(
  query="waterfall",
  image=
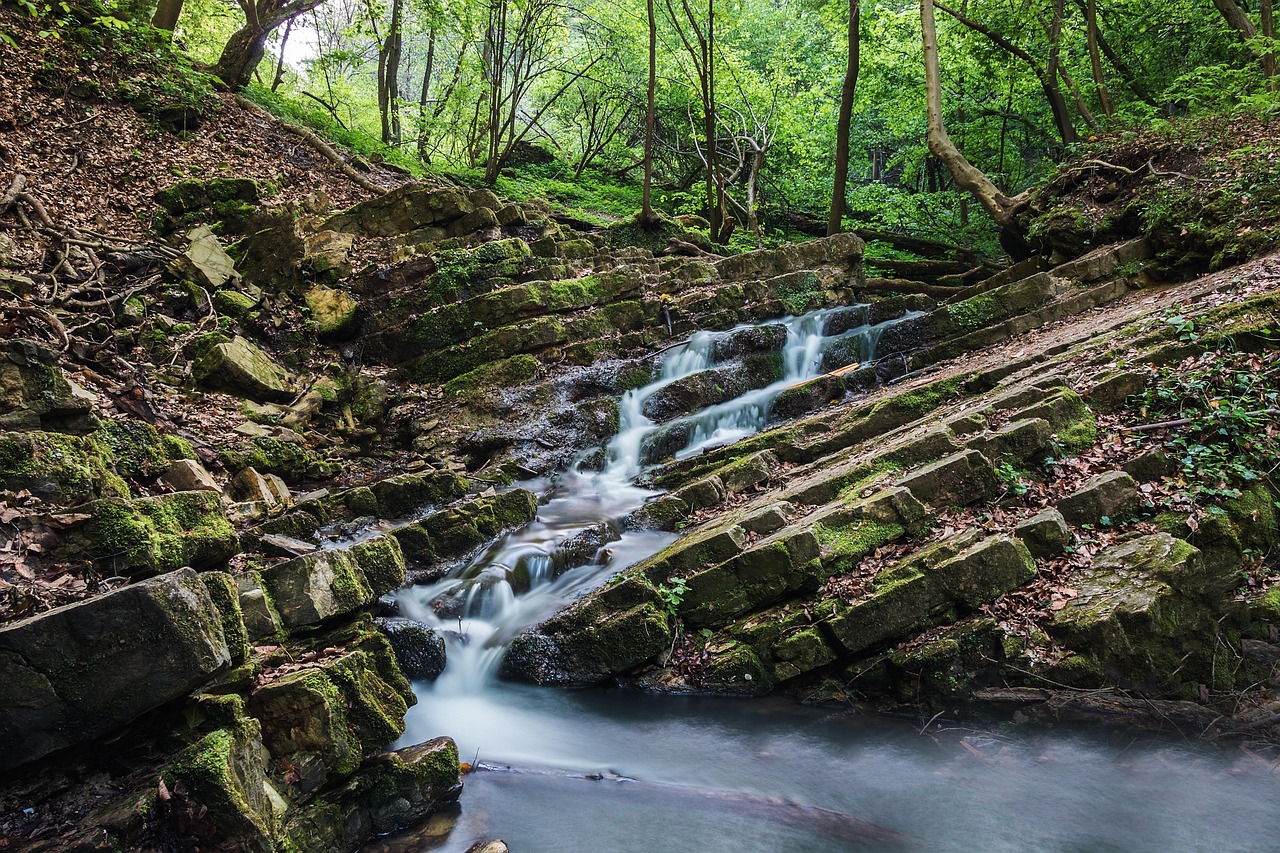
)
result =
(492, 612)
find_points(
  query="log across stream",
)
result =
(615, 770)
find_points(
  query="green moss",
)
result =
(65, 468)
(381, 562)
(800, 292)
(233, 302)
(504, 374)
(136, 447)
(268, 455)
(850, 543)
(1079, 435)
(972, 314)
(226, 597)
(162, 533)
(217, 770)
(202, 344)
(176, 447)
(924, 399)
(375, 709)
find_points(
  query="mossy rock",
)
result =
(226, 772)
(59, 468)
(268, 456)
(139, 452)
(405, 495)
(161, 534)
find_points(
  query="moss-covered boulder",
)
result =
(268, 455)
(402, 210)
(455, 531)
(1103, 499)
(78, 672)
(160, 534)
(59, 468)
(619, 628)
(307, 590)
(336, 313)
(402, 496)
(226, 774)
(35, 394)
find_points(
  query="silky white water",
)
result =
(1047, 792)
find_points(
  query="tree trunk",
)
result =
(241, 56)
(390, 71)
(422, 96)
(646, 206)
(284, 41)
(715, 194)
(1236, 18)
(1269, 32)
(968, 177)
(167, 14)
(843, 119)
(1095, 60)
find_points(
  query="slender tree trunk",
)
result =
(422, 96)
(1066, 128)
(284, 41)
(1269, 31)
(714, 191)
(167, 14)
(968, 177)
(1095, 59)
(393, 49)
(646, 207)
(844, 118)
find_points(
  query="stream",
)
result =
(616, 770)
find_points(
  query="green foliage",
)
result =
(1012, 479)
(1222, 404)
(671, 594)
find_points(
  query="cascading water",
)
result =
(721, 774)
(491, 612)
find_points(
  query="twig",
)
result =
(41, 314)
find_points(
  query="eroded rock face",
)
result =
(78, 672)
(35, 395)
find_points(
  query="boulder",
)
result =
(204, 261)
(336, 313)
(78, 672)
(260, 617)
(616, 629)
(420, 651)
(58, 468)
(310, 589)
(240, 367)
(1045, 534)
(160, 533)
(406, 494)
(1111, 496)
(402, 210)
(188, 475)
(249, 485)
(1130, 617)
(958, 480)
(35, 395)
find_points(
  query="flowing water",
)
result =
(615, 770)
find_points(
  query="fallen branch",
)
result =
(321, 146)
(44, 316)
(1185, 421)
(906, 285)
(1150, 167)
